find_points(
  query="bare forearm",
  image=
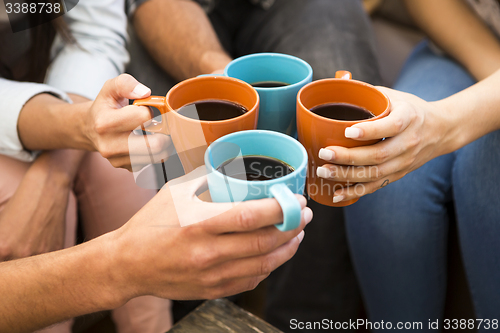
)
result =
(473, 112)
(454, 27)
(47, 123)
(49, 288)
(180, 37)
(33, 220)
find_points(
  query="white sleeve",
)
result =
(100, 30)
(13, 97)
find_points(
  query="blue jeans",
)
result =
(398, 235)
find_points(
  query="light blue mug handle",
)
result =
(289, 205)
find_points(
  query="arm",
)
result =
(99, 54)
(418, 131)
(105, 125)
(179, 36)
(33, 220)
(151, 255)
(453, 26)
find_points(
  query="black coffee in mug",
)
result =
(212, 110)
(257, 168)
(269, 84)
(342, 111)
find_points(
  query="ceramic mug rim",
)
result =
(302, 166)
(342, 81)
(305, 80)
(211, 78)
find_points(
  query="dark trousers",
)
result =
(330, 35)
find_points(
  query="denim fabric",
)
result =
(398, 235)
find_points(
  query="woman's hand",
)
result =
(415, 132)
(110, 122)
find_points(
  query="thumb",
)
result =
(124, 86)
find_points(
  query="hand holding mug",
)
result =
(227, 253)
(416, 131)
(110, 121)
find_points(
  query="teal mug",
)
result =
(227, 152)
(277, 103)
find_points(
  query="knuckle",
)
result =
(414, 141)
(245, 219)
(210, 281)
(348, 157)
(202, 258)
(101, 126)
(107, 153)
(398, 125)
(265, 243)
(381, 155)
(267, 265)
(253, 283)
(379, 173)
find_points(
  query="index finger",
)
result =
(249, 215)
(396, 122)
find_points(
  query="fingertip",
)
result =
(354, 132)
(307, 213)
(300, 236)
(326, 154)
(140, 91)
(302, 200)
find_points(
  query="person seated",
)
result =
(52, 145)
(173, 40)
(440, 148)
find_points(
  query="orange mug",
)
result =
(316, 132)
(191, 137)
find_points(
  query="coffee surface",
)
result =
(212, 110)
(269, 84)
(342, 111)
(256, 168)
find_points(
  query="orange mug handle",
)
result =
(159, 103)
(345, 75)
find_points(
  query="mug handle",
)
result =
(289, 205)
(345, 75)
(159, 103)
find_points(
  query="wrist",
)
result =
(450, 124)
(115, 288)
(121, 266)
(82, 132)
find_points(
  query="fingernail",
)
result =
(323, 172)
(326, 154)
(301, 236)
(352, 132)
(308, 216)
(338, 198)
(140, 90)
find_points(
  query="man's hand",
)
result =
(416, 131)
(231, 250)
(33, 221)
(111, 120)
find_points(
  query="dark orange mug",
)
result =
(316, 132)
(191, 137)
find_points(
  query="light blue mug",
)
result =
(277, 105)
(259, 143)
